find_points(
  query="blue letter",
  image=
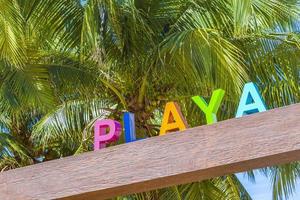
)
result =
(129, 126)
(251, 101)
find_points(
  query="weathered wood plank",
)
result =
(200, 153)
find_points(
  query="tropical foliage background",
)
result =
(66, 63)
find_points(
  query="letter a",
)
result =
(211, 109)
(173, 119)
(251, 101)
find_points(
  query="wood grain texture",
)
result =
(231, 146)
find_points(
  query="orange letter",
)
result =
(173, 119)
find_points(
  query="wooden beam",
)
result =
(231, 146)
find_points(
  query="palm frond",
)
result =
(12, 153)
(69, 124)
(12, 38)
(284, 179)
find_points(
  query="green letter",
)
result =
(214, 104)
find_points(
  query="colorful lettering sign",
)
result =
(107, 131)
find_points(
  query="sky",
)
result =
(261, 189)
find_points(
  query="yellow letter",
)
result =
(173, 119)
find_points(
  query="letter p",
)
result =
(101, 138)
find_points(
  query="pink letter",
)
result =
(101, 138)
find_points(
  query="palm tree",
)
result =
(34, 68)
(67, 64)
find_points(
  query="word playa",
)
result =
(173, 120)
